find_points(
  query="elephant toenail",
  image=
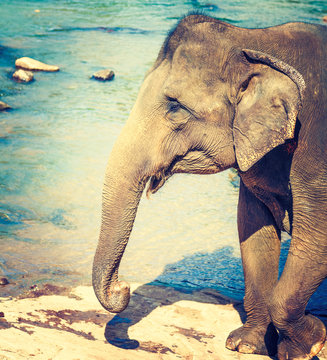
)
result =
(231, 344)
(246, 349)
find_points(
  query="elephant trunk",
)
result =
(121, 195)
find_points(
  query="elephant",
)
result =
(217, 97)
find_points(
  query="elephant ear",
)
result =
(270, 99)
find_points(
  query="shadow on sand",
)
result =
(188, 279)
(182, 286)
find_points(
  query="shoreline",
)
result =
(159, 323)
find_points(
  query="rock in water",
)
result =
(23, 76)
(4, 106)
(4, 281)
(104, 75)
(32, 64)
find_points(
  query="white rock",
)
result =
(23, 76)
(3, 106)
(32, 64)
(104, 75)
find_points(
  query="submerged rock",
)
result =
(23, 76)
(104, 75)
(3, 106)
(32, 64)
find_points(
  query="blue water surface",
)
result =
(55, 142)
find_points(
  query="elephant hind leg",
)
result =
(302, 335)
(305, 347)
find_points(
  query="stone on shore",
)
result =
(159, 323)
(104, 75)
(3, 106)
(23, 76)
(34, 65)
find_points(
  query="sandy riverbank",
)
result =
(160, 323)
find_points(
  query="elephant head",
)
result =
(206, 105)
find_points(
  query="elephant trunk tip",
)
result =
(118, 295)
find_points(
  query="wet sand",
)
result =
(160, 323)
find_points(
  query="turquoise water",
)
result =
(55, 142)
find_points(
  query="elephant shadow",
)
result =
(188, 279)
(212, 278)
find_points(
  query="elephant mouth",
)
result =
(193, 162)
(157, 181)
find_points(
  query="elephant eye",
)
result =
(174, 105)
(177, 113)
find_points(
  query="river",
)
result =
(55, 142)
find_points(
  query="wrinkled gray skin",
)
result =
(218, 97)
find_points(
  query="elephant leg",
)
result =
(260, 250)
(302, 335)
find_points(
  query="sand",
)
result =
(160, 323)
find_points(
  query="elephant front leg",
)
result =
(260, 249)
(302, 335)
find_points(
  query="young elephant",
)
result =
(217, 97)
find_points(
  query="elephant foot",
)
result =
(309, 338)
(254, 340)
